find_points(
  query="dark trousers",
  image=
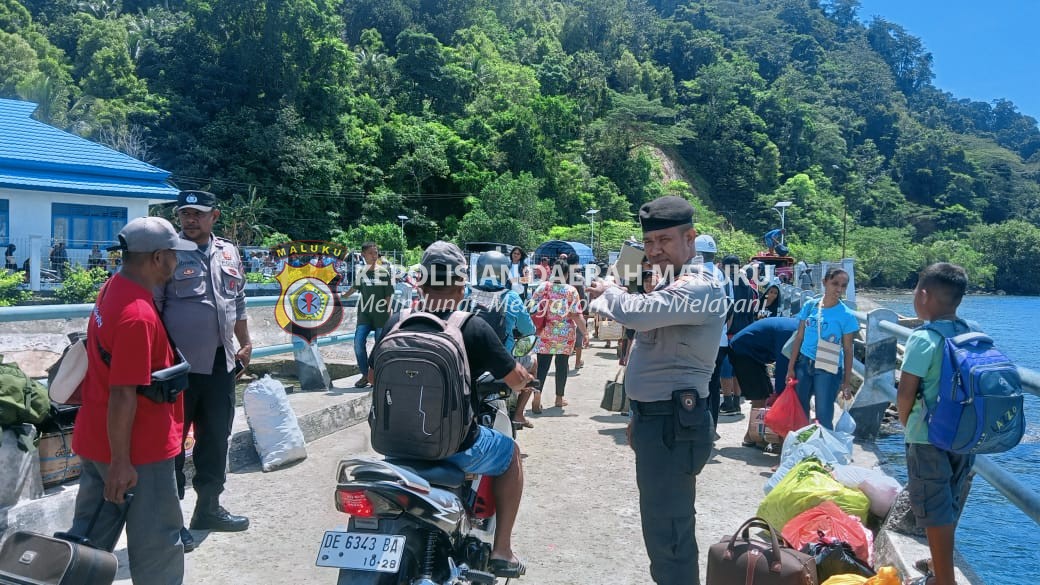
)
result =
(715, 386)
(209, 403)
(544, 359)
(153, 521)
(667, 481)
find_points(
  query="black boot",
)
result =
(210, 515)
(730, 406)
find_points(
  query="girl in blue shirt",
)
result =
(829, 319)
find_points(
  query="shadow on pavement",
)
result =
(617, 434)
(749, 455)
(610, 418)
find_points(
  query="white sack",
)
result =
(830, 447)
(879, 487)
(276, 432)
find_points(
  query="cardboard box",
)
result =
(58, 463)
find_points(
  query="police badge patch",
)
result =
(309, 304)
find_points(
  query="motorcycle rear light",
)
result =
(355, 503)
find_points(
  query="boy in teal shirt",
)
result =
(936, 477)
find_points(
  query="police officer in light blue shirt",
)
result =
(678, 326)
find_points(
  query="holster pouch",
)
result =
(168, 383)
(688, 415)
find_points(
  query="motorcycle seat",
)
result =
(438, 473)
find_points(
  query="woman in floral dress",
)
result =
(564, 319)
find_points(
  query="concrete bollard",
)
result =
(310, 367)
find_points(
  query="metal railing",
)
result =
(882, 333)
(81, 311)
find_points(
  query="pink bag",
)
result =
(833, 522)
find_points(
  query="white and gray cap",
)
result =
(149, 234)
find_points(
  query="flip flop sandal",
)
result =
(561, 404)
(507, 569)
(536, 409)
(924, 566)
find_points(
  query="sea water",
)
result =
(1000, 541)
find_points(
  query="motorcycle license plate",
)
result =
(361, 551)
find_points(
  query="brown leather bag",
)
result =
(757, 562)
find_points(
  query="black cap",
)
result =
(665, 212)
(201, 200)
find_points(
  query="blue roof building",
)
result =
(56, 186)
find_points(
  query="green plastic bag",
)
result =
(22, 399)
(807, 485)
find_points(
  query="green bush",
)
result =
(9, 292)
(81, 285)
(258, 278)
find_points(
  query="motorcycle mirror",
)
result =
(524, 345)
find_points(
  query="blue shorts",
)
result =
(936, 481)
(490, 454)
(726, 370)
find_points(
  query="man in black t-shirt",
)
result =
(485, 451)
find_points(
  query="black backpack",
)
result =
(490, 305)
(421, 399)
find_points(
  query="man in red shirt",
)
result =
(126, 441)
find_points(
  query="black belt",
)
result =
(660, 408)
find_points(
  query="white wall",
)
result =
(30, 215)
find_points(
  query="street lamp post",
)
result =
(781, 207)
(591, 213)
(403, 219)
(844, 214)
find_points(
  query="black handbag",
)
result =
(614, 397)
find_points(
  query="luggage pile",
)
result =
(816, 517)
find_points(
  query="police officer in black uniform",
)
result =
(678, 326)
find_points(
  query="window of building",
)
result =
(5, 221)
(83, 226)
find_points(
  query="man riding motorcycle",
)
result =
(485, 451)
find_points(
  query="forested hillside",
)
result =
(500, 119)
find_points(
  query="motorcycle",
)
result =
(416, 522)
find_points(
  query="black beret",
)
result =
(665, 212)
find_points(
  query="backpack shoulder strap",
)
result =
(456, 321)
(400, 319)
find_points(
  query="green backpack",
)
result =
(22, 399)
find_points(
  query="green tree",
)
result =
(81, 285)
(1012, 247)
(885, 256)
(508, 210)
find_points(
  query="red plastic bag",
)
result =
(786, 414)
(834, 523)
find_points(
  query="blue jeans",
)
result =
(823, 385)
(360, 348)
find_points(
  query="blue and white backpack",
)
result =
(979, 407)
